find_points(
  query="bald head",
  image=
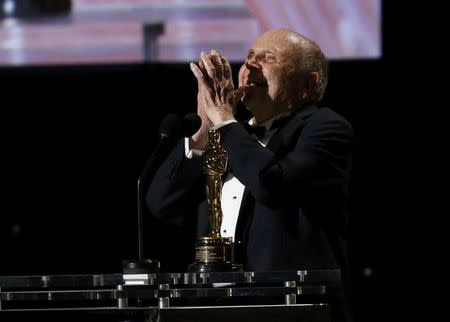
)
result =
(283, 70)
(281, 39)
(304, 55)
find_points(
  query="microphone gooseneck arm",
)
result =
(172, 128)
(140, 194)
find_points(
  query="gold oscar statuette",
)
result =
(214, 252)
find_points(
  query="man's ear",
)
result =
(312, 80)
(310, 83)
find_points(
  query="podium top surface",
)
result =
(308, 277)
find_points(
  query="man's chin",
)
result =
(249, 100)
(253, 109)
(247, 103)
(252, 102)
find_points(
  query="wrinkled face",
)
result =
(271, 71)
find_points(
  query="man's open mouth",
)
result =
(256, 83)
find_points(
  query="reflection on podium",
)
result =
(225, 296)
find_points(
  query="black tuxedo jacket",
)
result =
(293, 214)
(294, 211)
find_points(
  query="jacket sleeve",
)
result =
(318, 161)
(177, 184)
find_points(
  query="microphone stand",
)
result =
(144, 265)
(171, 128)
(140, 194)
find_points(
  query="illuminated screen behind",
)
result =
(113, 31)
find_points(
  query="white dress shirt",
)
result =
(232, 189)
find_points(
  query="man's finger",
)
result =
(209, 66)
(243, 72)
(197, 73)
(202, 67)
(239, 93)
(226, 68)
(217, 61)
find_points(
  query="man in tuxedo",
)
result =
(284, 196)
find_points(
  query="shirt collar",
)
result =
(268, 124)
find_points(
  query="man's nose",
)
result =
(252, 63)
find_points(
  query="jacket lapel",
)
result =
(288, 131)
(280, 142)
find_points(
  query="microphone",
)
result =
(174, 128)
(170, 127)
(190, 124)
(171, 130)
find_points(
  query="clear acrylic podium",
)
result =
(216, 296)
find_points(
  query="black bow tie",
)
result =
(260, 130)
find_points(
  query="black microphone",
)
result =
(170, 127)
(190, 124)
(171, 130)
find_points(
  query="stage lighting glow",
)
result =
(367, 272)
(8, 7)
(16, 229)
(173, 31)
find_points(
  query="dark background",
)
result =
(74, 140)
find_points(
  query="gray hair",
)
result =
(314, 60)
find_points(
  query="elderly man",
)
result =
(284, 196)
